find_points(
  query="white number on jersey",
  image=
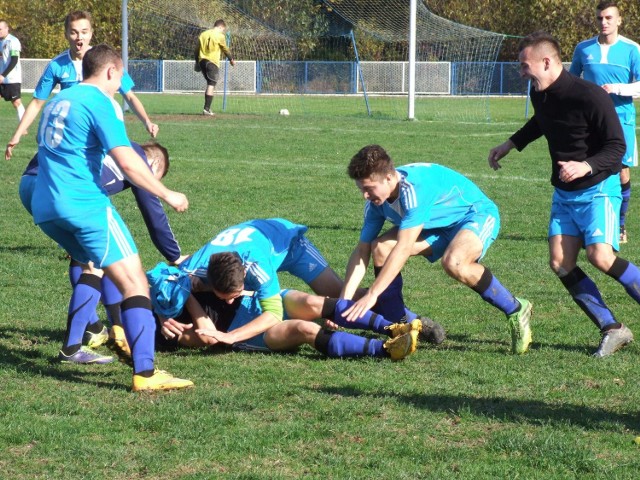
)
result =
(51, 135)
(233, 236)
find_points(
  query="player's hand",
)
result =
(9, 150)
(496, 153)
(360, 307)
(572, 170)
(172, 328)
(608, 88)
(152, 128)
(222, 337)
(180, 259)
(178, 201)
(331, 325)
(232, 62)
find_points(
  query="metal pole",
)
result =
(125, 42)
(364, 88)
(412, 59)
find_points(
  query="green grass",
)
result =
(467, 409)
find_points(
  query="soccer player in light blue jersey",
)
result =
(437, 213)
(77, 127)
(66, 70)
(613, 62)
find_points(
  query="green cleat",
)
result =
(519, 327)
(398, 329)
(403, 345)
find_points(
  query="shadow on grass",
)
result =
(27, 357)
(465, 342)
(518, 237)
(517, 411)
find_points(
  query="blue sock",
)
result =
(390, 303)
(111, 299)
(494, 293)
(369, 321)
(626, 196)
(82, 308)
(409, 316)
(139, 327)
(628, 275)
(344, 345)
(75, 270)
(586, 294)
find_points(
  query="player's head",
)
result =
(78, 32)
(4, 29)
(540, 61)
(608, 18)
(220, 23)
(157, 157)
(226, 275)
(103, 62)
(374, 173)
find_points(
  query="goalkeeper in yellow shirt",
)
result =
(211, 43)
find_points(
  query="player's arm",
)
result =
(272, 311)
(399, 255)
(13, 61)
(623, 89)
(30, 114)
(137, 107)
(155, 218)
(138, 173)
(356, 269)
(603, 119)
(519, 140)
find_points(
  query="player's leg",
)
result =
(625, 185)
(17, 103)
(300, 305)
(210, 72)
(629, 160)
(290, 334)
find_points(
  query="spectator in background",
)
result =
(10, 70)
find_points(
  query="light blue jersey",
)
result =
(63, 71)
(76, 129)
(265, 247)
(430, 195)
(613, 64)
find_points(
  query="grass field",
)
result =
(467, 409)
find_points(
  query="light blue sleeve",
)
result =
(127, 84)
(47, 83)
(576, 64)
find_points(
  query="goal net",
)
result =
(333, 57)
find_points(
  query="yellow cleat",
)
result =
(118, 344)
(160, 380)
(402, 345)
(398, 329)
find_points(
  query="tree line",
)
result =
(39, 23)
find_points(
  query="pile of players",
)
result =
(228, 293)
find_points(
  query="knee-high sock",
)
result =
(343, 345)
(626, 196)
(75, 270)
(369, 321)
(628, 275)
(207, 101)
(82, 306)
(586, 294)
(390, 303)
(20, 111)
(494, 293)
(139, 328)
(111, 299)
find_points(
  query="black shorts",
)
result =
(219, 311)
(210, 72)
(10, 91)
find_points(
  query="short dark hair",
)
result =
(157, 151)
(225, 272)
(540, 38)
(97, 58)
(372, 160)
(219, 23)
(76, 15)
(604, 5)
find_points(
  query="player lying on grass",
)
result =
(113, 181)
(190, 317)
(437, 213)
(248, 257)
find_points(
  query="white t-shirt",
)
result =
(8, 46)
